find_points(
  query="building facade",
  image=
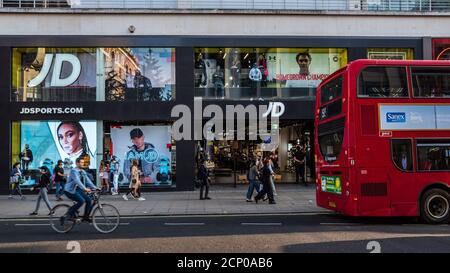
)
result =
(102, 84)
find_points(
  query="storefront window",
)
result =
(149, 145)
(93, 74)
(390, 53)
(138, 74)
(229, 160)
(53, 74)
(441, 49)
(43, 143)
(264, 73)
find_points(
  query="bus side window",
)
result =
(433, 156)
(431, 81)
(401, 153)
(383, 82)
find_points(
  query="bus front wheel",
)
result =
(435, 206)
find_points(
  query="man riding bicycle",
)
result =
(78, 184)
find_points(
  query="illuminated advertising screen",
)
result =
(301, 69)
(51, 141)
(150, 146)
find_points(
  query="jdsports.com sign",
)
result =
(50, 110)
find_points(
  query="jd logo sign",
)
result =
(276, 109)
(56, 81)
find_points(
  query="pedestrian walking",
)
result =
(136, 173)
(267, 188)
(203, 176)
(15, 177)
(115, 169)
(104, 176)
(44, 181)
(253, 183)
(60, 180)
(272, 168)
(134, 183)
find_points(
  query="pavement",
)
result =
(225, 199)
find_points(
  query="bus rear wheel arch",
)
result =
(435, 206)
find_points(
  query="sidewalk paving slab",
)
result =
(291, 198)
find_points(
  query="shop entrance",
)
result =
(228, 161)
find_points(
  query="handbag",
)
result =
(13, 179)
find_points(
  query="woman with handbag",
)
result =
(136, 174)
(135, 182)
(14, 181)
(44, 181)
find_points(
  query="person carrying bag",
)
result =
(15, 178)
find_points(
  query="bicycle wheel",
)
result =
(55, 219)
(105, 218)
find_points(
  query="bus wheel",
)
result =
(435, 206)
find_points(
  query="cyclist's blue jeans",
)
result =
(80, 197)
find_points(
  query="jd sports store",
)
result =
(68, 97)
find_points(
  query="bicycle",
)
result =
(105, 217)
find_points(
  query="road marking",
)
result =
(156, 216)
(120, 224)
(33, 225)
(30, 225)
(341, 224)
(261, 224)
(184, 224)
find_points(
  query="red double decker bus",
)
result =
(382, 139)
